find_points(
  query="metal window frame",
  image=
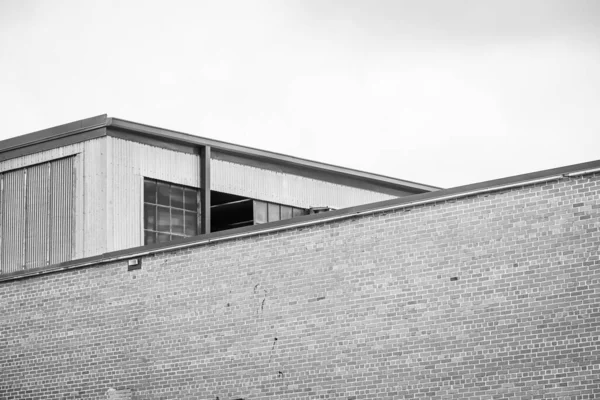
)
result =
(156, 205)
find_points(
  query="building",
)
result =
(104, 184)
(487, 291)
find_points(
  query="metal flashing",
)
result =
(424, 199)
(55, 132)
(78, 131)
(83, 135)
(263, 155)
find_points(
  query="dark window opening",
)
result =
(172, 211)
(229, 211)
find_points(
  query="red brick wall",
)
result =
(366, 308)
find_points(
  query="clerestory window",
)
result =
(170, 211)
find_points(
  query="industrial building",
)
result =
(103, 184)
(145, 264)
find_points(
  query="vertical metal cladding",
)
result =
(62, 210)
(128, 163)
(283, 188)
(13, 220)
(38, 210)
(93, 177)
(89, 156)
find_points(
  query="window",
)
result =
(170, 211)
(230, 211)
(270, 212)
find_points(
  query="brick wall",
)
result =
(489, 297)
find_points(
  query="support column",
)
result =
(205, 189)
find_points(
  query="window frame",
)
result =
(156, 204)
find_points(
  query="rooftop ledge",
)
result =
(555, 174)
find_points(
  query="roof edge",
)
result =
(185, 138)
(481, 188)
(55, 132)
(8, 148)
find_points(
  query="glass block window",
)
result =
(170, 211)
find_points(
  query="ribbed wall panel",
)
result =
(2, 212)
(128, 163)
(42, 157)
(79, 239)
(90, 190)
(94, 197)
(13, 221)
(61, 212)
(38, 209)
(293, 190)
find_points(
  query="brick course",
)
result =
(492, 296)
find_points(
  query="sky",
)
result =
(439, 92)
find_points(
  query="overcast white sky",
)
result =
(438, 92)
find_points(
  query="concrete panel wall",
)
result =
(494, 296)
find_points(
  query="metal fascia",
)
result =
(180, 137)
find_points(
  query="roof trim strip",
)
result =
(9, 147)
(185, 138)
(56, 132)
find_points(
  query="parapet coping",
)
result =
(534, 178)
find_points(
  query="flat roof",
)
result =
(93, 127)
(423, 199)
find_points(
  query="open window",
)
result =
(229, 211)
(172, 211)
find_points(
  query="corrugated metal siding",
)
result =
(1, 218)
(106, 195)
(37, 215)
(128, 163)
(90, 191)
(38, 209)
(278, 187)
(94, 197)
(13, 221)
(43, 156)
(78, 206)
(61, 212)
